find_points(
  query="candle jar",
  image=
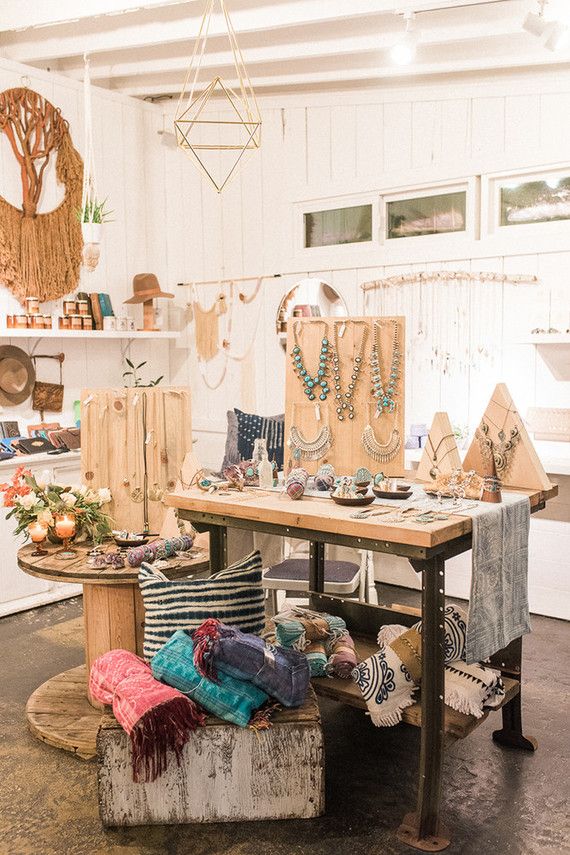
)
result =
(21, 322)
(32, 306)
(38, 533)
(87, 322)
(47, 322)
(64, 323)
(82, 307)
(76, 322)
(65, 528)
(37, 321)
(69, 307)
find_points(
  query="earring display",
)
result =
(345, 393)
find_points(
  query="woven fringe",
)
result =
(204, 639)
(389, 719)
(261, 720)
(461, 703)
(163, 728)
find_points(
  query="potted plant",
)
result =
(92, 216)
(33, 501)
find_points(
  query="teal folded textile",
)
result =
(230, 699)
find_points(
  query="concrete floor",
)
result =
(496, 800)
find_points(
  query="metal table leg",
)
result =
(511, 733)
(218, 547)
(316, 566)
(422, 829)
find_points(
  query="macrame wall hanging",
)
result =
(40, 254)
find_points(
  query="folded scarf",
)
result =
(157, 718)
(230, 699)
(470, 688)
(280, 672)
(300, 629)
(386, 686)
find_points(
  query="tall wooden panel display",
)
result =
(374, 436)
(134, 441)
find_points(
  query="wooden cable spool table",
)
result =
(60, 712)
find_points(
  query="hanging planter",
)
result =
(91, 232)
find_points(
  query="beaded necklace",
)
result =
(313, 383)
(385, 393)
(344, 405)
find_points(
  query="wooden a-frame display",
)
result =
(346, 452)
(441, 454)
(525, 469)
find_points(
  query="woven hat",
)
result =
(17, 375)
(145, 287)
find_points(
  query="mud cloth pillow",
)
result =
(234, 596)
(243, 430)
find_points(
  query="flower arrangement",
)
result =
(32, 500)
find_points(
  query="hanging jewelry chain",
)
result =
(312, 449)
(344, 405)
(435, 471)
(380, 452)
(316, 383)
(502, 450)
(385, 393)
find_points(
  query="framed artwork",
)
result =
(431, 214)
(337, 226)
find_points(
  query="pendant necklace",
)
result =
(385, 393)
(503, 449)
(435, 471)
(380, 452)
(344, 404)
(314, 383)
(310, 449)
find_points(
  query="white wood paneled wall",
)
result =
(322, 146)
(127, 248)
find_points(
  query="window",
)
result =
(338, 226)
(426, 215)
(539, 201)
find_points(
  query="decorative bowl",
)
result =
(353, 502)
(403, 491)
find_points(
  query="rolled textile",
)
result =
(324, 479)
(158, 549)
(296, 483)
(455, 621)
(302, 629)
(386, 686)
(157, 718)
(471, 688)
(230, 699)
(342, 657)
(317, 658)
(282, 673)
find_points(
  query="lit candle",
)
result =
(38, 532)
(65, 526)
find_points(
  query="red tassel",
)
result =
(203, 639)
(166, 727)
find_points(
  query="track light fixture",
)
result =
(404, 50)
(553, 34)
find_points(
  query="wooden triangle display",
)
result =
(441, 455)
(516, 460)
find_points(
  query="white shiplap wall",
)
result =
(322, 146)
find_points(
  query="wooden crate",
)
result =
(227, 774)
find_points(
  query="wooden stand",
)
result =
(524, 469)
(441, 455)
(346, 453)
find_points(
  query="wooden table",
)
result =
(427, 547)
(60, 711)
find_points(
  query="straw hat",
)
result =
(17, 375)
(145, 287)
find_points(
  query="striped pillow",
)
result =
(234, 596)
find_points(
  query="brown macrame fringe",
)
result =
(164, 728)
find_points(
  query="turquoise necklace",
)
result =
(314, 383)
(385, 393)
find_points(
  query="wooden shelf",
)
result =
(457, 725)
(89, 334)
(554, 348)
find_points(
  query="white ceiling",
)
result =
(143, 48)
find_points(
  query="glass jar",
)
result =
(32, 306)
(69, 307)
(21, 322)
(76, 322)
(65, 323)
(82, 307)
(87, 322)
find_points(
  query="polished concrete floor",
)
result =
(496, 800)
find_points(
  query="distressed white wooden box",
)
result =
(227, 774)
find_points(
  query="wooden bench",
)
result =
(227, 773)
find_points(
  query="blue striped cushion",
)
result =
(234, 596)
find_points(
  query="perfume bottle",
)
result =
(265, 470)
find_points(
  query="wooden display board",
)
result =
(346, 453)
(440, 451)
(525, 469)
(113, 444)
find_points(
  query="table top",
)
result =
(79, 571)
(324, 516)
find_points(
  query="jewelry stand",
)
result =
(441, 455)
(346, 450)
(518, 466)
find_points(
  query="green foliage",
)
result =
(94, 212)
(136, 378)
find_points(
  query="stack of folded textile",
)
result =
(389, 678)
(323, 638)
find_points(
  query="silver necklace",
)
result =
(344, 404)
(381, 452)
(310, 449)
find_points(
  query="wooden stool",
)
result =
(226, 774)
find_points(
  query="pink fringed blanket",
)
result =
(157, 718)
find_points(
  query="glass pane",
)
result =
(536, 202)
(341, 225)
(427, 215)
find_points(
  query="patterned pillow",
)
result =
(234, 596)
(250, 427)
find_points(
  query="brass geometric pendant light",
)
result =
(217, 122)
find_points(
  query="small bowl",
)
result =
(403, 491)
(125, 542)
(357, 501)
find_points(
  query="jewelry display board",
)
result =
(134, 441)
(502, 433)
(441, 455)
(345, 394)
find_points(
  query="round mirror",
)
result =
(309, 298)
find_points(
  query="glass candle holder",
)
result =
(65, 528)
(38, 533)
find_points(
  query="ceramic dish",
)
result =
(402, 492)
(124, 542)
(357, 501)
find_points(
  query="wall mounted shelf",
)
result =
(554, 348)
(90, 335)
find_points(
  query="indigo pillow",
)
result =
(250, 427)
(234, 596)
